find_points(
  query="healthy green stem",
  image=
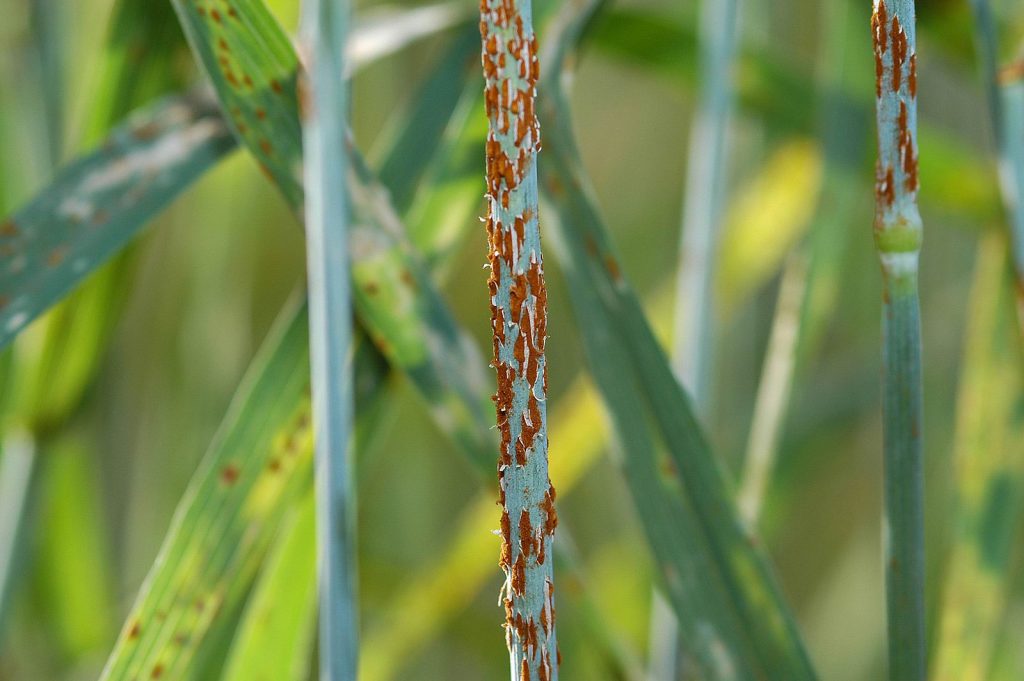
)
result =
(324, 28)
(518, 295)
(898, 240)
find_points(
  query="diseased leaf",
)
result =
(730, 609)
(97, 204)
(254, 70)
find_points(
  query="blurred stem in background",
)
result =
(323, 33)
(1005, 90)
(898, 240)
(989, 460)
(810, 280)
(703, 197)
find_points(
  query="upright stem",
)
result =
(519, 321)
(898, 232)
(702, 213)
(702, 209)
(18, 467)
(325, 116)
(1005, 89)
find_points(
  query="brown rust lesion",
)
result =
(1011, 73)
(899, 53)
(880, 41)
(907, 150)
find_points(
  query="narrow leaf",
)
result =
(97, 204)
(719, 582)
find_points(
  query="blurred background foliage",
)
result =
(150, 350)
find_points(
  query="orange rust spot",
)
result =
(274, 465)
(157, 672)
(276, 86)
(550, 512)
(266, 148)
(899, 53)
(8, 228)
(261, 114)
(229, 474)
(908, 154)
(525, 674)
(146, 131)
(223, 44)
(880, 40)
(519, 576)
(134, 631)
(232, 13)
(216, 15)
(526, 540)
(912, 78)
(56, 256)
(100, 217)
(1011, 73)
(613, 268)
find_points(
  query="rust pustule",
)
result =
(899, 53)
(229, 474)
(880, 41)
(526, 541)
(518, 580)
(912, 77)
(1011, 73)
(56, 256)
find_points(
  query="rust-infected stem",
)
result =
(519, 321)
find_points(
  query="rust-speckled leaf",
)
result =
(253, 68)
(97, 204)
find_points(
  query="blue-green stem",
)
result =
(324, 27)
(898, 239)
(18, 466)
(518, 297)
(702, 214)
(1005, 91)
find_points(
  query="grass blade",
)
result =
(258, 464)
(18, 469)
(252, 66)
(324, 28)
(704, 195)
(989, 463)
(114, 190)
(259, 527)
(277, 629)
(719, 582)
